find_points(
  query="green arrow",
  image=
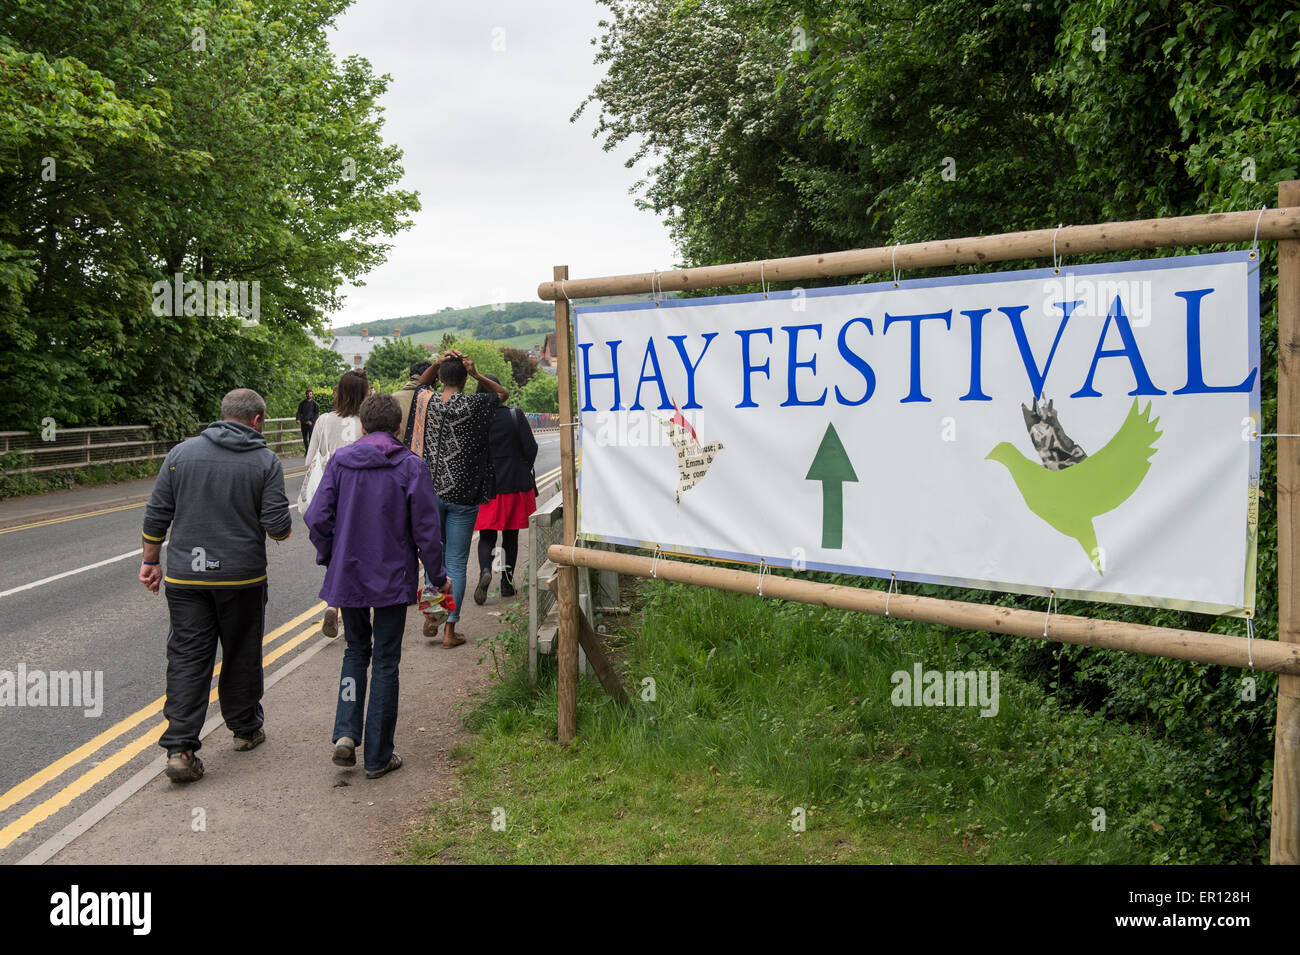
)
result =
(832, 467)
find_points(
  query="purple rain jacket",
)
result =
(373, 511)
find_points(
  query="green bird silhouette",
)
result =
(1070, 499)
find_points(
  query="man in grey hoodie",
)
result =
(221, 494)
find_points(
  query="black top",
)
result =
(308, 410)
(456, 444)
(514, 449)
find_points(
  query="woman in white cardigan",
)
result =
(335, 428)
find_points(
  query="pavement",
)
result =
(78, 790)
(286, 802)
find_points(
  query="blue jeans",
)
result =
(381, 716)
(457, 530)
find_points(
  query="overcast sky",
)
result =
(509, 187)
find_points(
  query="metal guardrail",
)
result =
(71, 448)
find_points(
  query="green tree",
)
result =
(215, 140)
(393, 359)
(541, 394)
(522, 365)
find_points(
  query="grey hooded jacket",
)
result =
(222, 494)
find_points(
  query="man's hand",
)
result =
(469, 366)
(151, 577)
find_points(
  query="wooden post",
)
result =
(1285, 832)
(567, 578)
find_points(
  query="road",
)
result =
(70, 601)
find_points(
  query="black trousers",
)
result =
(487, 542)
(200, 617)
(306, 437)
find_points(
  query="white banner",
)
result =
(1091, 433)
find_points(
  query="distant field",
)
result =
(522, 340)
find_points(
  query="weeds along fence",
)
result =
(70, 449)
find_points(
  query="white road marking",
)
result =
(68, 573)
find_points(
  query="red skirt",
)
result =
(506, 512)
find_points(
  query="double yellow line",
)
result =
(91, 777)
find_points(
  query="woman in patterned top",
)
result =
(449, 429)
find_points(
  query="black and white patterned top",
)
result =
(456, 444)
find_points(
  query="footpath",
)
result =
(286, 802)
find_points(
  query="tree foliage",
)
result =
(218, 140)
(522, 365)
(393, 359)
(541, 394)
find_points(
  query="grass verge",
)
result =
(751, 715)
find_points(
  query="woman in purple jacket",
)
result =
(373, 514)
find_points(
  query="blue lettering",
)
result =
(916, 320)
(588, 377)
(1129, 351)
(794, 365)
(748, 369)
(679, 341)
(1037, 378)
(657, 378)
(868, 375)
(1195, 376)
(976, 393)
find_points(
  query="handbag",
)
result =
(315, 471)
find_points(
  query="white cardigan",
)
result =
(331, 432)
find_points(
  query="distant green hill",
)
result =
(521, 324)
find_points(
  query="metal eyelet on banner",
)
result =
(1056, 259)
(1051, 599)
(893, 582)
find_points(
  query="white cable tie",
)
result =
(655, 281)
(762, 277)
(893, 581)
(654, 562)
(563, 293)
(1051, 597)
(1254, 244)
(893, 262)
(762, 571)
(1250, 636)
(1056, 259)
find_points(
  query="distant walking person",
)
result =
(513, 449)
(222, 495)
(308, 412)
(374, 513)
(336, 428)
(449, 429)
